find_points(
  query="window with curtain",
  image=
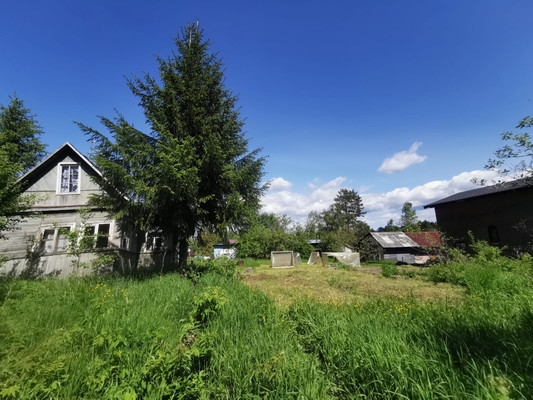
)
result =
(69, 178)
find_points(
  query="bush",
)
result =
(450, 273)
(389, 270)
(223, 266)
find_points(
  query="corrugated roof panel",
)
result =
(390, 240)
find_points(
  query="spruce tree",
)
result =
(20, 150)
(19, 135)
(193, 170)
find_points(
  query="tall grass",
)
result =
(211, 336)
(408, 349)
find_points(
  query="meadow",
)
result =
(455, 331)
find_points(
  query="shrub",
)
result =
(389, 270)
(223, 266)
(450, 273)
(208, 304)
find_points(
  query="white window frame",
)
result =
(55, 239)
(60, 176)
(96, 232)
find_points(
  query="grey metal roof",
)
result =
(392, 240)
(485, 191)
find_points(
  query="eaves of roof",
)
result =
(65, 149)
(518, 184)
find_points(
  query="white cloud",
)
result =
(277, 184)
(401, 160)
(299, 205)
(379, 207)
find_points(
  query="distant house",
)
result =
(500, 214)
(408, 247)
(62, 184)
(228, 249)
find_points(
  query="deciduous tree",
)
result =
(408, 219)
(514, 159)
(194, 169)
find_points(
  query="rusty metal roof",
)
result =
(425, 239)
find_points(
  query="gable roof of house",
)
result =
(518, 184)
(52, 159)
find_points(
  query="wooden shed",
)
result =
(398, 246)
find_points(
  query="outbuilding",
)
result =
(500, 214)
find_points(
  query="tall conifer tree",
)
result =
(194, 169)
(19, 135)
(20, 150)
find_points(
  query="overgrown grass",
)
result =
(325, 335)
(329, 285)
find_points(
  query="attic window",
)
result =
(69, 179)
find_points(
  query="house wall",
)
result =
(30, 236)
(58, 265)
(504, 211)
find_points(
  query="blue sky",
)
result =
(400, 101)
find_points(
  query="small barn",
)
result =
(499, 214)
(396, 246)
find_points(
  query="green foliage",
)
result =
(222, 266)
(271, 232)
(388, 270)
(347, 207)
(339, 224)
(486, 271)
(516, 158)
(194, 170)
(208, 304)
(20, 150)
(401, 348)
(205, 242)
(19, 136)
(409, 219)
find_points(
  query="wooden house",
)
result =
(500, 214)
(61, 185)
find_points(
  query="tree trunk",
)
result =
(183, 252)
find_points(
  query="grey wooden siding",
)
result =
(32, 228)
(45, 189)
